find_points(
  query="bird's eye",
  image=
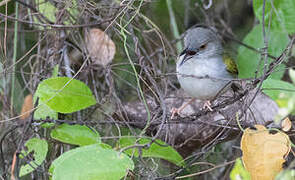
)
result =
(191, 53)
(203, 46)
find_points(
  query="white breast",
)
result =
(203, 78)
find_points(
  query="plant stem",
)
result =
(174, 26)
(14, 55)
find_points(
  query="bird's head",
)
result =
(201, 42)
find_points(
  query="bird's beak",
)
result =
(185, 57)
(183, 52)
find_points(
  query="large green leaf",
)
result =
(43, 111)
(90, 163)
(248, 60)
(273, 88)
(38, 148)
(158, 149)
(75, 134)
(280, 12)
(64, 94)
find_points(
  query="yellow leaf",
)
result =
(100, 46)
(263, 153)
(27, 107)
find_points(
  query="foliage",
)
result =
(278, 13)
(275, 17)
(38, 148)
(75, 134)
(91, 162)
(239, 171)
(49, 10)
(249, 61)
(158, 149)
(286, 100)
(252, 65)
(65, 95)
(286, 175)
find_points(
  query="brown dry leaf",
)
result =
(286, 124)
(100, 46)
(27, 107)
(263, 153)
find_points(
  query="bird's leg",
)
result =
(207, 105)
(176, 111)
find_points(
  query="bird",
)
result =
(203, 70)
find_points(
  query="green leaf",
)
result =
(43, 111)
(292, 75)
(38, 148)
(89, 163)
(47, 125)
(248, 60)
(288, 174)
(75, 134)
(239, 172)
(105, 146)
(47, 9)
(286, 97)
(273, 88)
(65, 95)
(281, 13)
(158, 149)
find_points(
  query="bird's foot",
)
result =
(176, 111)
(207, 105)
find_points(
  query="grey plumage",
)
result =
(201, 70)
